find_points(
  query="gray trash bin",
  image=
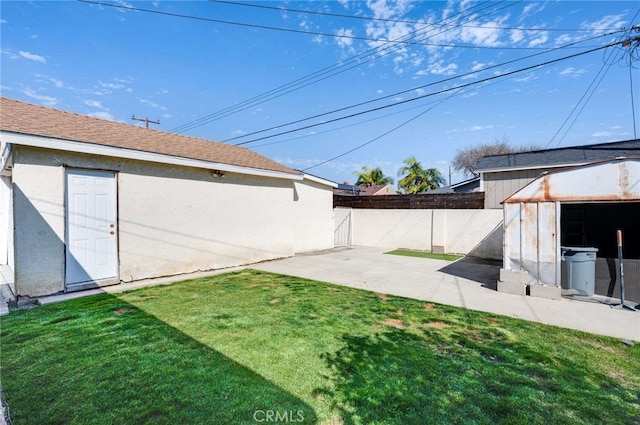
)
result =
(581, 268)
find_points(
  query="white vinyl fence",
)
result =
(473, 232)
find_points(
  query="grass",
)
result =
(235, 348)
(424, 254)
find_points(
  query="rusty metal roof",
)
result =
(614, 180)
(561, 156)
(28, 119)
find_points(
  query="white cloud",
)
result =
(102, 115)
(516, 36)
(342, 39)
(571, 72)
(113, 86)
(485, 35)
(45, 78)
(605, 23)
(45, 100)
(123, 3)
(304, 26)
(480, 127)
(531, 9)
(540, 39)
(32, 56)
(440, 68)
(602, 134)
(477, 66)
(525, 79)
(151, 104)
(563, 39)
(385, 10)
(94, 104)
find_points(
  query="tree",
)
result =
(416, 179)
(369, 176)
(467, 159)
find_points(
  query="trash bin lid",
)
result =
(579, 248)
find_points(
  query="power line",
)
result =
(415, 117)
(322, 74)
(433, 93)
(291, 30)
(401, 93)
(588, 94)
(633, 107)
(401, 21)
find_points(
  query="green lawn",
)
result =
(246, 347)
(424, 254)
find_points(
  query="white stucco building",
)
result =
(87, 202)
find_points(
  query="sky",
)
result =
(328, 87)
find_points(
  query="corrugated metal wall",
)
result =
(499, 186)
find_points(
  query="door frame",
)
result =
(72, 287)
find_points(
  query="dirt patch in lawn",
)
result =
(436, 325)
(123, 310)
(395, 323)
(383, 297)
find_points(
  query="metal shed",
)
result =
(578, 206)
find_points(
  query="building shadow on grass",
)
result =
(100, 360)
(400, 377)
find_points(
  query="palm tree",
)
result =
(416, 179)
(369, 176)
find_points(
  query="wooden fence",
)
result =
(473, 200)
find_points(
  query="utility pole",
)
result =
(146, 120)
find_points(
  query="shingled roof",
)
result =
(560, 156)
(28, 119)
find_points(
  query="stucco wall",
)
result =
(171, 219)
(313, 204)
(175, 220)
(475, 232)
(391, 228)
(39, 220)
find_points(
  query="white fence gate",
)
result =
(341, 226)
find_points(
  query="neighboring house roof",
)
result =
(464, 186)
(32, 120)
(347, 189)
(376, 189)
(559, 157)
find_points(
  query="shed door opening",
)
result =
(91, 242)
(595, 225)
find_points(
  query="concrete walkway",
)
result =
(465, 283)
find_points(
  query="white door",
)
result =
(92, 243)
